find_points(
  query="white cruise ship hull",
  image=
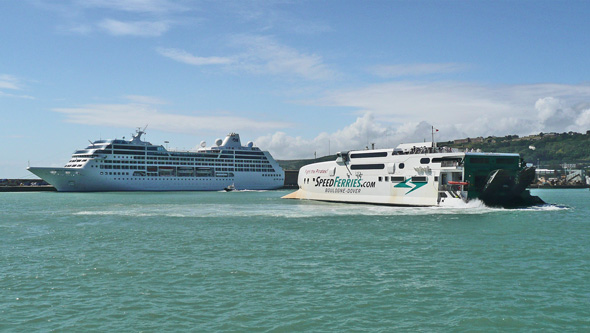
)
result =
(136, 165)
(67, 180)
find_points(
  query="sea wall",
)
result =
(24, 185)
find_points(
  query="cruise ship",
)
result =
(137, 165)
(419, 174)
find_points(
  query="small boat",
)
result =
(229, 188)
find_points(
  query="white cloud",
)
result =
(137, 28)
(398, 112)
(583, 120)
(556, 115)
(145, 99)
(130, 115)
(263, 56)
(363, 133)
(547, 107)
(187, 58)
(9, 82)
(478, 109)
(393, 71)
(358, 135)
(266, 56)
(12, 83)
(138, 6)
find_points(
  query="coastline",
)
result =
(31, 188)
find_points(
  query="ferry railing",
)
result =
(427, 150)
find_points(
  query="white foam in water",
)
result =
(296, 209)
(546, 207)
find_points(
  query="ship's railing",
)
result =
(426, 150)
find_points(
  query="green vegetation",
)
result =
(297, 164)
(551, 150)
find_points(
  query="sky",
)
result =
(297, 78)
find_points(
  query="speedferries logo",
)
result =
(343, 185)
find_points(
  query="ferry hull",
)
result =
(418, 179)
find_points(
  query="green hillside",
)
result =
(551, 150)
(297, 164)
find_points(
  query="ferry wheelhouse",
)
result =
(137, 165)
(418, 174)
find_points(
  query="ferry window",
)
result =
(380, 178)
(479, 160)
(419, 179)
(367, 166)
(445, 163)
(401, 165)
(504, 160)
(386, 178)
(366, 155)
(424, 160)
(397, 179)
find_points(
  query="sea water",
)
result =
(251, 261)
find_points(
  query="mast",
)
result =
(433, 142)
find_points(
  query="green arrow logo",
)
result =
(404, 184)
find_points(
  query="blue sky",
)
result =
(295, 77)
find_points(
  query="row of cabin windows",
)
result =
(372, 166)
(393, 179)
(253, 164)
(230, 160)
(424, 160)
(277, 177)
(200, 180)
(399, 179)
(142, 167)
(260, 156)
(415, 150)
(446, 162)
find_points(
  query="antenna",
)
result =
(433, 130)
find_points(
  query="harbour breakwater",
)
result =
(24, 185)
(31, 185)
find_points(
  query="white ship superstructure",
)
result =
(137, 165)
(419, 174)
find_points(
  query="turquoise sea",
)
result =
(250, 261)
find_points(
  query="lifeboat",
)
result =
(451, 182)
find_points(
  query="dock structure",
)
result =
(24, 185)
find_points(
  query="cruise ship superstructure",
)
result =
(137, 165)
(418, 174)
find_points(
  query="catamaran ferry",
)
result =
(137, 165)
(419, 174)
